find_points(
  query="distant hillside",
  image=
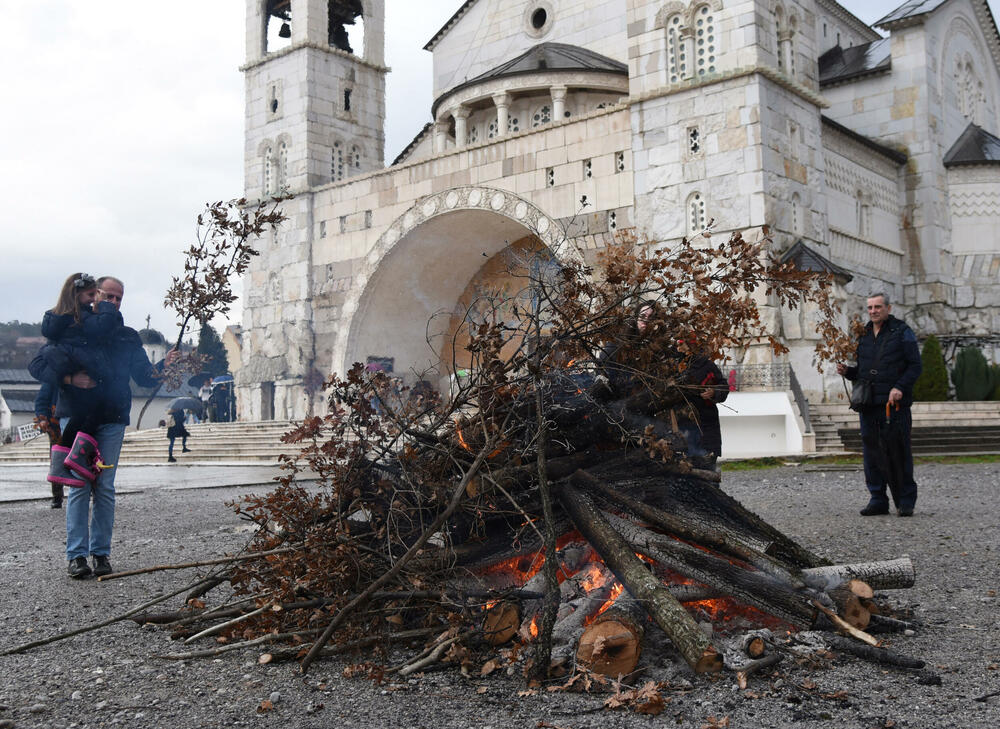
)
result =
(19, 341)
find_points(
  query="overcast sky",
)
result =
(121, 119)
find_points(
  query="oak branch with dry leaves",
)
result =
(224, 238)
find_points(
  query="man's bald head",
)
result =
(111, 289)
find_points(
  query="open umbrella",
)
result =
(199, 379)
(186, 403)
(222, 379)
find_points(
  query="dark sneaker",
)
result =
(905, 511)
(186, 450)
(78, 568)
(171, 459)
(875, 510)
(55, 503)
(102, 565)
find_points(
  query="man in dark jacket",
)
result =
(888, 357)
(89, 532)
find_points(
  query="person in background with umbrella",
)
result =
(176, 429)
(889, 359)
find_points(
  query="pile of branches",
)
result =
(418, 491)
(413, 487)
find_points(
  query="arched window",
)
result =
(778, 15)
(971, 98)
(704, 40)
(864, 213)
(268, 180)
(337, 162)
(472, 134)
(676, 62)
(356, 157)
(491, 130)
(793, 24)
(696, 214)
(542, 116)
(797, 226)
(282, 167)
(513, 125)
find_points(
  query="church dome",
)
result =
(538, 68)
(151, 336)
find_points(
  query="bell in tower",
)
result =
(341, 14)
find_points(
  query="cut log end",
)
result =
(500, 623)
(611, 647)
(710, 662)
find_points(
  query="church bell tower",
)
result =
(315, 93)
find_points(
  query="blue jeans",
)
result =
(89, 532)
(874, 463)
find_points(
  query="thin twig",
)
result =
(203, 563)
(218, 627)
(95, 626)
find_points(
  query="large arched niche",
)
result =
(415, 277)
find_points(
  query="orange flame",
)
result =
(461, 440)
(533, 628)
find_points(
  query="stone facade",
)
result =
(676, 114)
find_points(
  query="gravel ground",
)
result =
(109, 677)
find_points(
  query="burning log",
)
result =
(679, 626)
(612, 644)
(758, 589)
(596, 583)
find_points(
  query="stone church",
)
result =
(869, 150)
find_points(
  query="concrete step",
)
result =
(210, 442)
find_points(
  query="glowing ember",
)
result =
(533, 628)
(590, 578)
(616, 591)
(461, 440)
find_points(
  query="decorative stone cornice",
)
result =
(772, 74)
(315, 46)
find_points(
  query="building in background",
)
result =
(871, 152)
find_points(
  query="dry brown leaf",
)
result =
(489, 667)
(265, 705)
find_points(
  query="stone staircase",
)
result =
(939, 428)
(232, 443)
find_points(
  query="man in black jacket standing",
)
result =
(888, 357)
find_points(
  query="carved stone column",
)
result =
(502, 102)
(687, 50)
(440, 134)
(461, 115)
(558, 102)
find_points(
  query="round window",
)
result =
(538, 18)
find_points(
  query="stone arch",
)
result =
(691, 12)
(444, 238)
(668, 10)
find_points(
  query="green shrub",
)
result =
(972, 375)
(932, 385)
(995, 395)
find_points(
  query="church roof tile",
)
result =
(975, 146)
